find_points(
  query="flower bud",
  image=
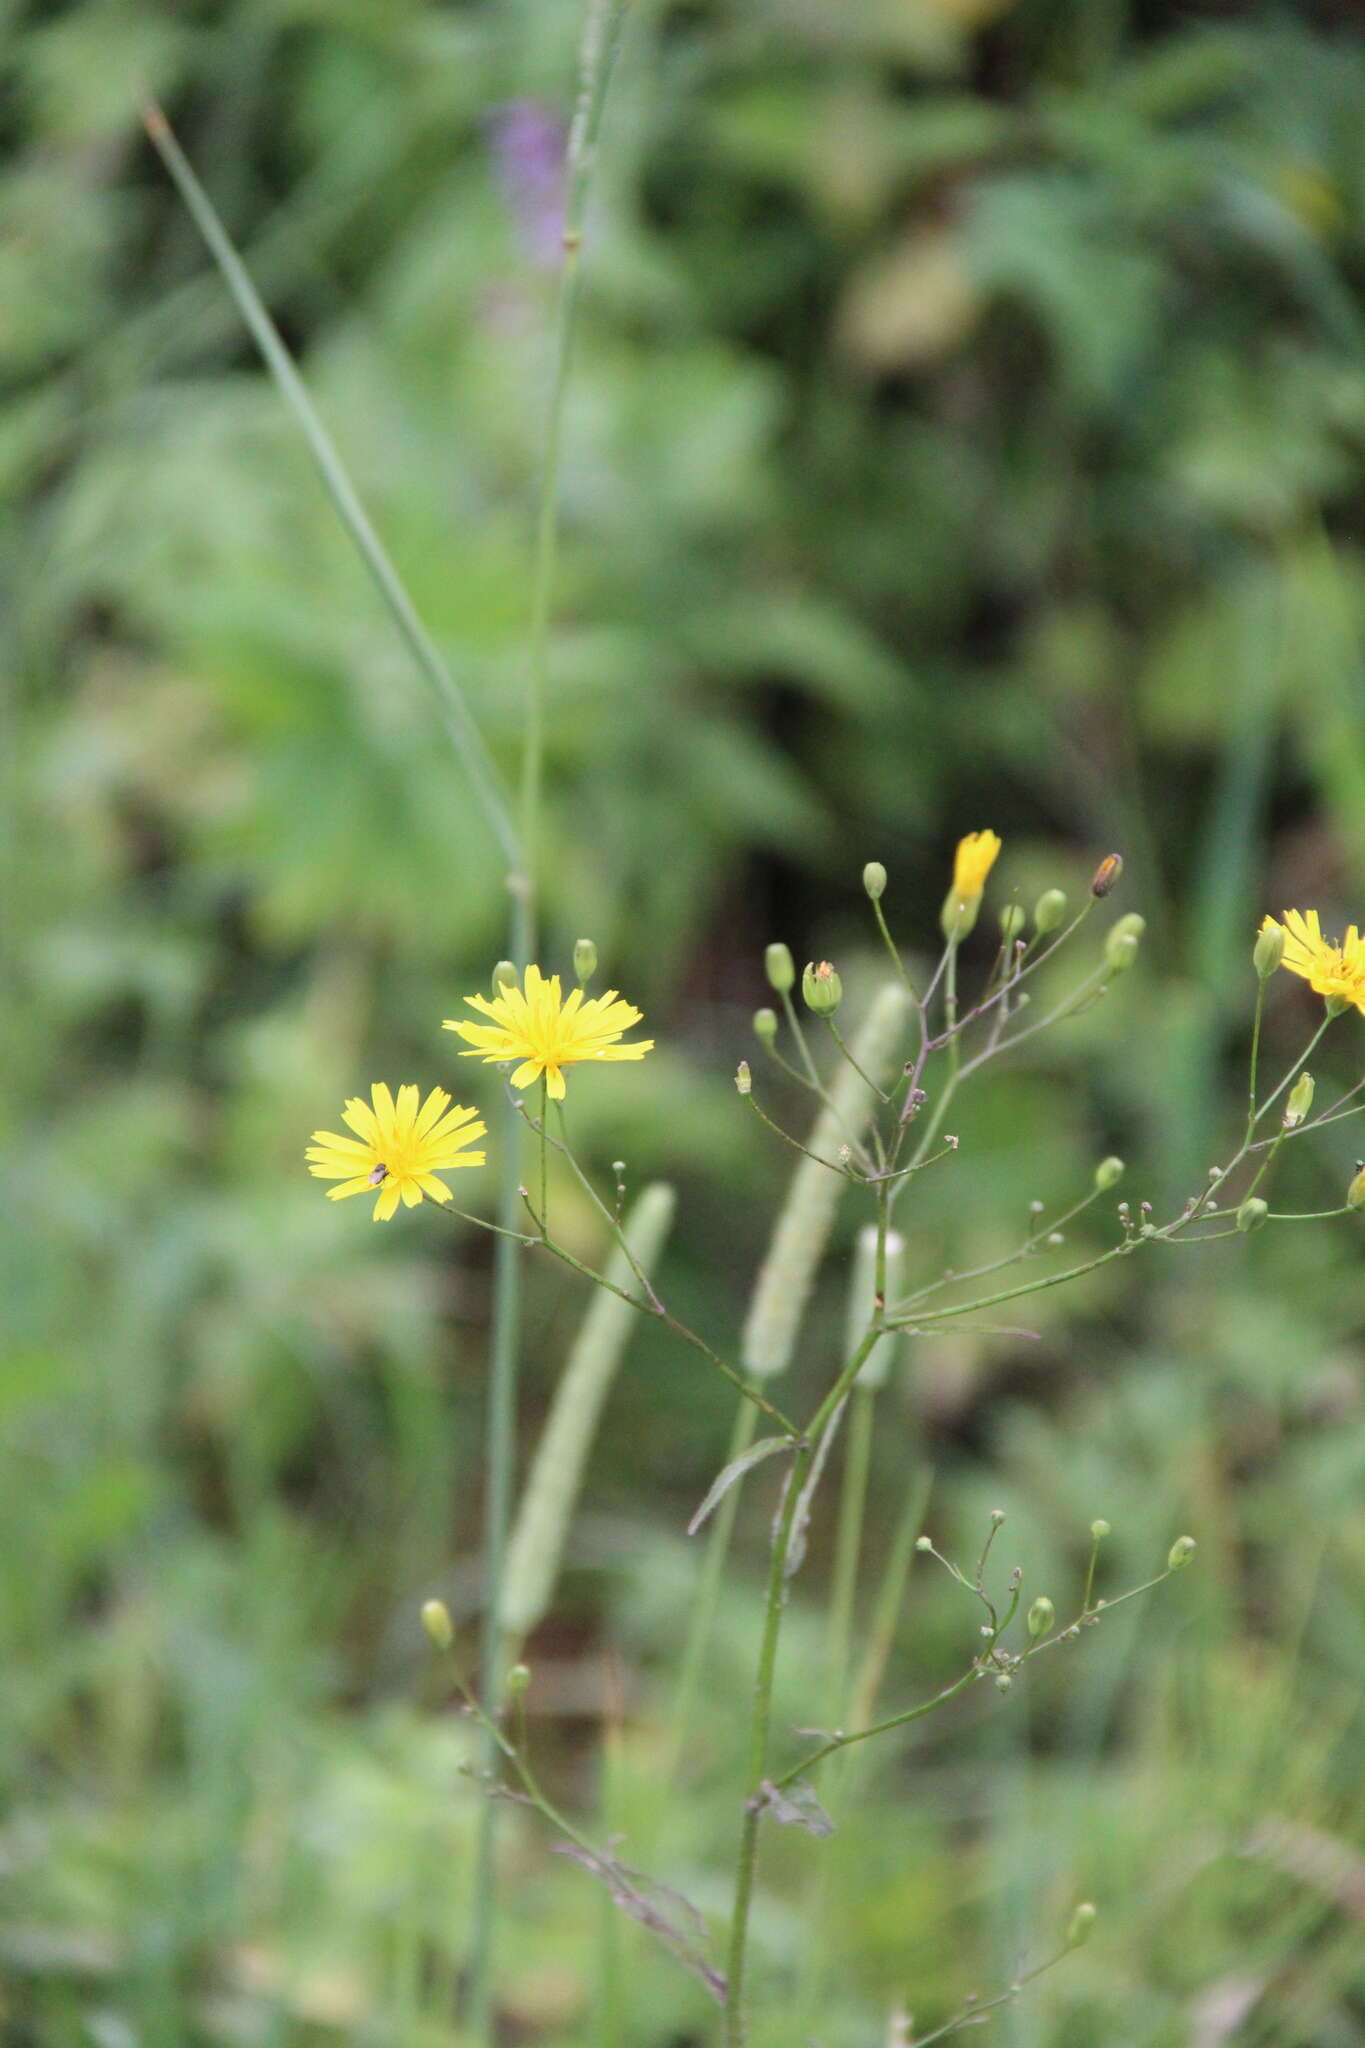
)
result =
(437, 1623)
(744, 1080)
(518, 1678)
(1099, 1529)
(975, 857)
(1299, 1103)
(822, 988)
(1180, 1553)
(1082, 1920)
(779, 967)
(1121, 942)
(765, 1026)
(1041, 1616)
(1252, 1214)
(1106, 874)
(1012, 922)
(1108, 1173)
(1355, 1193)
(923, 1543)
(1268, 951)
(584, 960)
(1004, 1683)
(504, 976)
(1048, 912)
(874, 880)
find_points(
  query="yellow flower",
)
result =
(546, 1033)
(976, 855)
(973, 862)
(1337, 972)
(398, 1148)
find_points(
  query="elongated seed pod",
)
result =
(552, 1485)
(807, 1216)
(861, 1292)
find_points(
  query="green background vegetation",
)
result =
(967, 429)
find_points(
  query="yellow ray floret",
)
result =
(1337, 971)
(547, 1032)
(974, 860)
(398, 1148)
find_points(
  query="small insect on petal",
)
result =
(381, 1173)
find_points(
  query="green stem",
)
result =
(544, 1159)
(707, 1599)
(464, 733)
(848, 1545)
(1255, 1059)
(736, 2027)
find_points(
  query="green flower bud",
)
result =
(744, 1080)
(1099, 1529)
(1004, 1683)
(1106, 874)
(765, 1026)
(437, 1623)
(1299, 1103)
(1048, 912)
(1082, 1920)
(822, 988)
(518, 1678)
(1012, 922)
(1268, 951)
(1121, 942)
(779, 967)
(1355, 1193)
(923, 1543)
(584, 960)
(1108, 1173)
(1180, 1553)
(504, 976)
(874, 880)
(1041, 1616)
(1252, 1214)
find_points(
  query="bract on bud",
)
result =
(744, 1080)
(822, 989)
(437, 1623)
(1299, 1103)
(1041, 1616)
(518, 1678)
(1109, 1173)
(1082, 1920)
(1012, 922)
(1180, 1553)
(1355, 1193)
(1336, 1006)
(779, 967)
(874, 880)
(1252, 1214)
(504, 976)
(1106, 874)
(1268, 951)
(584, 960)
(1048, 912)
(765, 1026)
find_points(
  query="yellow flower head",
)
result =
(973, 862)
(398, 1148)
(976, 855)
(545, 1032)
(1334, 971)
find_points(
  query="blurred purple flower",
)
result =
(528, 143)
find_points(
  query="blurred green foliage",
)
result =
(967, 429)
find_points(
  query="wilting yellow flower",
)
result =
(398, 1148)
(546, 1033)
(1334, 971)
(973, 862)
